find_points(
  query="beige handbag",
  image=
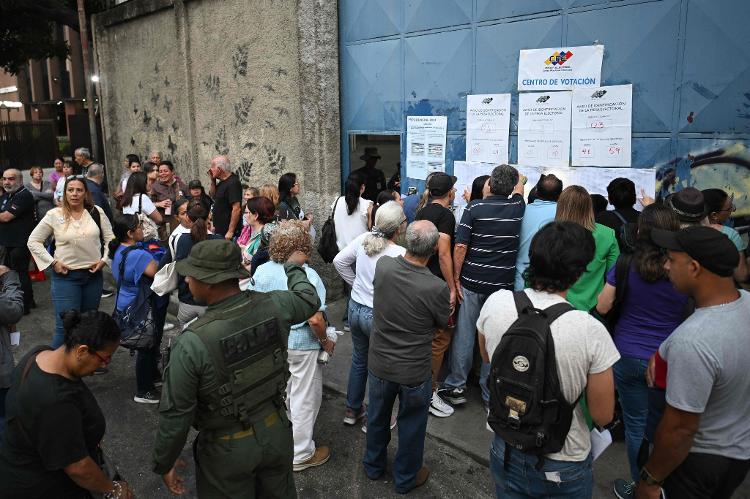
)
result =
(165, 280)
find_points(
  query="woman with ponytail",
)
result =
(51, 446)
(189, 308)
(138, 264)
(351, 212)
(356, 265)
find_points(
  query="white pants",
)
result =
(304, 394)
(187, 312)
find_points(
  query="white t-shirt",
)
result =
(361, 280)
(124, 180)
(147, 206)
(348, 227)
(57, 196)
(174, 237)
(582, 347)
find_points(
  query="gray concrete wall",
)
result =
(254, 79)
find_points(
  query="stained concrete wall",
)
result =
(256, 80)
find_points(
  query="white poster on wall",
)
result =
(560, 68)
(544, 128)
(425, 145)
(487, 128)
(465, 173)
(595, 180)
(601, 126)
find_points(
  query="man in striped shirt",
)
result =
(484, 261)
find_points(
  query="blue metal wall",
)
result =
(686, 60)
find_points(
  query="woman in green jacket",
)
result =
(574, 205)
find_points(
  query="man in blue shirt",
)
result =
(537, 215)
(484, 261)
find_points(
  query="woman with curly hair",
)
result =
(356, 265)
(305, 387)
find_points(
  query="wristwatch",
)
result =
(649, 478)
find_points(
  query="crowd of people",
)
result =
(567, 314)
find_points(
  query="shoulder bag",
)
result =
(327, 246)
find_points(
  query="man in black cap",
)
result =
(227, 377)
(701, 446)
(374, 178)
(440, 264)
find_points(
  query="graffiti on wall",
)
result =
(725, 168)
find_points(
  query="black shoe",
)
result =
(455, 396)
(32, 304)
(101, 370)
(106, 293)
(26, 310)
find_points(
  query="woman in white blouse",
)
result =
(81, 230)
(356, 265)
(351, 212)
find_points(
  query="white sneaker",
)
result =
(168, 326)
(439, 407)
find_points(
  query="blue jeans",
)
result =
(462, 345)
(360, 325)
(77, 290)
(630, 381)
(521, 480)
(413, 406)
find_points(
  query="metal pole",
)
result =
(87, 80)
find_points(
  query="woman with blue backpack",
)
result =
(133, 268)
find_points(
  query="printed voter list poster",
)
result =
(425, 145)
(601, 126)
(487, 128)
(560, 68)
(544, 129)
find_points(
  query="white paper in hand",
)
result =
(600, 440)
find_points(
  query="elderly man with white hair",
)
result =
(410, 304)
(227, 197)
(82, 157)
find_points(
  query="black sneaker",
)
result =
(455, 396)
(100, 371)
(147, 398)
(106, 293)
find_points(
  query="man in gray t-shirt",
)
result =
(409, 304)
(702, 444)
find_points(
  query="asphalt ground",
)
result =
(456, 448)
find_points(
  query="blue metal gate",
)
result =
(686, 60)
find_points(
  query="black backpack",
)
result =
(626, 234)
(327, 246)
(527, 407)
(135, 321)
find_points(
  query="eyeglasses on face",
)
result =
(105, 360)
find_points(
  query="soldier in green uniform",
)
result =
(226, 377)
